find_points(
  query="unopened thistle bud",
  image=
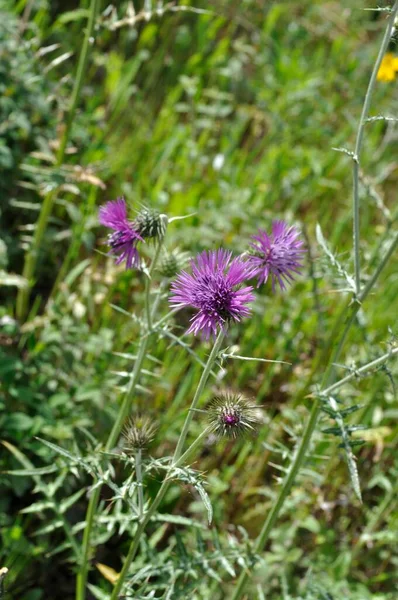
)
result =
(151, 224)
(231, 415)
(172, 263)
(138, 434)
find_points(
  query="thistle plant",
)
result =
(215, 297)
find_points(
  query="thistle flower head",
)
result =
(172, 262)
(123, 241)
(151, 224)
(138, 433)
(215, 289)
(231, 415)
(278, 255)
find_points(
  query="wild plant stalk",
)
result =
(49, 199)
(124, 411)
(138, 473)
(342, 324)
(177, 459)
(359, 141)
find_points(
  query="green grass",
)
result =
(273, 89)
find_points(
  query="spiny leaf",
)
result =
(68, 502)
(342, 272)
(32, 472)
(61, 451)
(345, 151)
(381, 118)
(192, 478)
(344, 432)
(38, 507)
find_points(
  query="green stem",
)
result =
(184, 457)
(162, 286)
(83, 568)
(128, 398)
(334, 348)
(199, 390)
(113, 437)
(368, 287)
(49, 199)
(94, 498)
(138, 474)
(177, 460)
(148, 311)
(357, 372)
(359, 140)
(137, 537)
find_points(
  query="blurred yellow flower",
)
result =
(388, 67)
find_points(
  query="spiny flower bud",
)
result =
(151, 224)
(231, 415)
(138, 433)
(172, 263)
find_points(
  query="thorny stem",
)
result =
(138, 474)
(358, 372)
(48, 202)
(148, 310)
(113, 437)
(198, 393)
(184, 457)
(358, 144)
(135, 543)
(378, 269)
(176, 461)
(158, 298)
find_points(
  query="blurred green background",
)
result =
(228, 110)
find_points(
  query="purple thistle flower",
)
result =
(124, 240)
(214, 289)
(278, 255)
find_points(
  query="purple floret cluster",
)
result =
(278, 255)
(125, 237)
(216, 286)
(215, 289)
